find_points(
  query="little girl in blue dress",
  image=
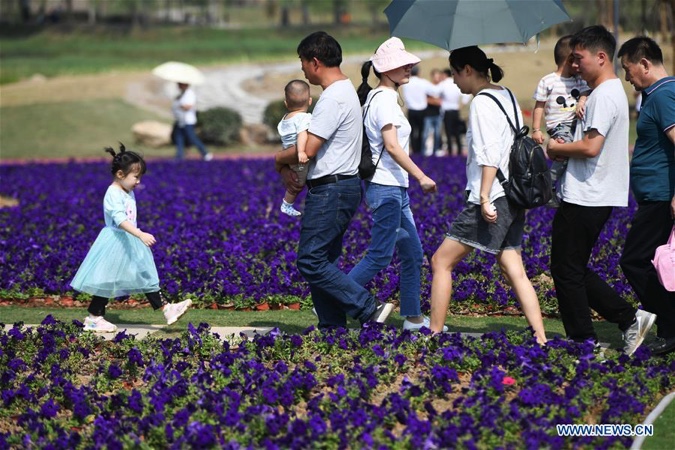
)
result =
(120, 262)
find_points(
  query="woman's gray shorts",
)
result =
(471, 229)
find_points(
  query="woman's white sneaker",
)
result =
(99, 325)
(426, 322)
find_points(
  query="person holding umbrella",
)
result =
(388, 132)
(184, 106)
(489, 222)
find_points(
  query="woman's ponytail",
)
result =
(364, 87)
(496, 72)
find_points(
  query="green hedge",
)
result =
(219, 126)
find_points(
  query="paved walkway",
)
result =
(224, 87)
(224, 333)
(142, 331)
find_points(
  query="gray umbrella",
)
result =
(452, 24)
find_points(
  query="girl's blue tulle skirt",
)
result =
(118, 264)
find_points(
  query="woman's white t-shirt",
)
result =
(181, 116)
(489, 138)
(384, 110)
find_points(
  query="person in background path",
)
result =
(595, 182)
(415, 94)
(184, 110)
(451, 101)
(334, 151)
(293, 131)
(652, 180)
(489, 222)
(388, 133)
(560, 97)
(120, 262)
(432, 116)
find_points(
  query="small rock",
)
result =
(152, 133)
(37, 78)
(255, 134)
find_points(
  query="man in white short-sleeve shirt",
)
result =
(415, 94)
(334, 150)
(595, 182)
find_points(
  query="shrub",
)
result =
(275, 111)
(219, 126)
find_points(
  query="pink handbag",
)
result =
(664, 262)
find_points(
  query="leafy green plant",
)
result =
(243, 302)
(219, 125)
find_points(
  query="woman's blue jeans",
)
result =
(393, 228)
(186, 136)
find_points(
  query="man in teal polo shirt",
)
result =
(652, 181)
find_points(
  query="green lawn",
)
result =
(664, 431)
(84, 127)
(51, 52)
(287, 320)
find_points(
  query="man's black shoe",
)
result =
(662, 346)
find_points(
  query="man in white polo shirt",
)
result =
(334, 149)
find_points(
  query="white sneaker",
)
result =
(287, 208)
(208, 157)
(99, 325)
(174, 311)
(381, 312)
(634, 335)
(426, 322)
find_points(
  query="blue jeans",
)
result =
(432, 123)
(393, 228)
(186, 135)
(328, 211)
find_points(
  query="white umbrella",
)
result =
(179, 72)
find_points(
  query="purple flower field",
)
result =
(373, 388)
(221, 235)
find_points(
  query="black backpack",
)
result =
(366, 166)
(529, 184)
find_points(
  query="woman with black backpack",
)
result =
(489, 222)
